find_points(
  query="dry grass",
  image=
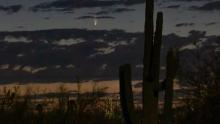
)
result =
(79, 103)
(18, 106)
(39, 88)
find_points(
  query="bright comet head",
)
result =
(95, 21)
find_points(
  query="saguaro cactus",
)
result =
(151, 69)
(126, 95)
(172, 63)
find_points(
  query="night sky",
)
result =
(40, 39)
(181, 16)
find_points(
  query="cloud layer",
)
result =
(58, 55)
(11, 9)
(208, 6)
(71, 4)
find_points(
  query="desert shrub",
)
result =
(202, 77)
(59, 108)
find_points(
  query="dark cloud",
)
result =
(208, 6)
(184, 24)
(211, 23)
(20, 27)
(115, 10)
(11, 9)
(71, 4)
(58, 55)
(47, 18)
(119, 10)
(96, 17)
(102, 12)
(105, 17)
(191, 0)
(86, 17)
(173, 6)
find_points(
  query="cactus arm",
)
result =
(151, 63)
(156, 51)
(157, 48)
(148, 93)
(148, 44)
(162, 85)
(155, 71)
(172, 64)
(126, 95)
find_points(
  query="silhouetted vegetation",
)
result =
(202, 79)
(151, 73)
(42, 56)
(85, 108)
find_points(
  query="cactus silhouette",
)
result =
(172, 63)
(151, 69)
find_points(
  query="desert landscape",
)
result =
(109, 61)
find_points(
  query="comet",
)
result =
(95, 20)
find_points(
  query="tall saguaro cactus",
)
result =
(151, 69)
(171, 70)
(126, 95)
